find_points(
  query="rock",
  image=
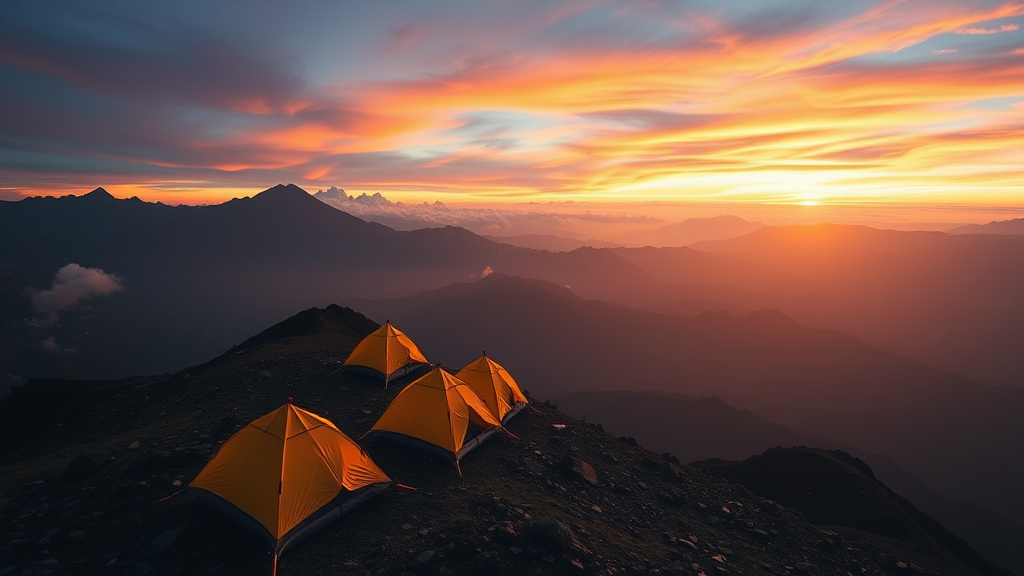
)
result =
(163, 541)
(548, 558)
(133, 446)
(80, 468)
(628, 440)
(574, 467)
(549, 534)
(142, 569)
(76, 535)
(425, 557)
(515, 550)
(504, 532)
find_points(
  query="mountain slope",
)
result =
(100, 494)
(704, 428)
(952, 432)
(835, 489)
(688, 427)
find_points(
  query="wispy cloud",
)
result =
(975, 31)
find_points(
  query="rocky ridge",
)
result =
(103, 494)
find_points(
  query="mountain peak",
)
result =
(282, 192)
(99, 194)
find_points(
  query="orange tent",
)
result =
(388, 351)
(495, 386)
(439, 413)
(288, 474)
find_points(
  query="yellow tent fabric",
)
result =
(386, 350)
(437, 408)
(286, 465)
(494, 385)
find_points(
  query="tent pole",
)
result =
(274, 573)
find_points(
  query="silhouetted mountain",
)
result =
(953, 302)
(99, 494)
(833, 488)
(952, 432)
(550, 242)
(1014, 226)
(197, 279)
(691, 231)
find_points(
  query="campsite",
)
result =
(103, 494)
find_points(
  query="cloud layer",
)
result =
(72, 285)
(835, 101)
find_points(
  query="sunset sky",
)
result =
(795, 102)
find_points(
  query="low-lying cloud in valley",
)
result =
(72, 285)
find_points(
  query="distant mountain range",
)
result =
(691, 231)
(550, 242)
(954, 302)
(198, 279)
(1014, 226)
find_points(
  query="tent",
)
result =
(288, 474)
(440, 414)
(495, 386)
(388, 351)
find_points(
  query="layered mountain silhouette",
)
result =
(953, 432)
(691, 231)
(1014, 226)
(101, 493)
(200, 278)
(550, 242)
(953, 302)
(949, 301)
